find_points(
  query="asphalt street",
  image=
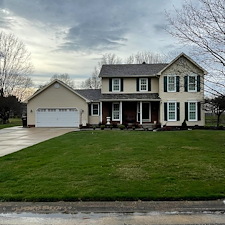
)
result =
(151, 218)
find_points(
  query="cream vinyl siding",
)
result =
(60, 97)
(178, 69)
(130, 85)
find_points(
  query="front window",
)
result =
(95, 109)
(143, 84)
(192, 111)
(171, 84)
(116, 111)
(192, 83)
(171, 111)
(116, 84)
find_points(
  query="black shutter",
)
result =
(149, 84)
(165, 84)
(178, 111)
(186, 111)
(186, 83)
(198, 83)
(137, 84)
(110, 84)
(121, 84)
(165, 111)
(177, 83)
(89, 109)
(199, 110)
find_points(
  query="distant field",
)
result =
(118, 165)
(12, 123)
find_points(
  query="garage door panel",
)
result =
(59, 117)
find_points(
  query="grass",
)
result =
(12, 123)
(118, 165)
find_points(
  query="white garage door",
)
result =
(57, 117)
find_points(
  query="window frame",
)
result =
(115, 111)
(175, 111)
(140, 84)
(113, 85)
(174, 83)
(196, 111)
(195, 83)
(92, 109)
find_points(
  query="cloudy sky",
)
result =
(70, 36)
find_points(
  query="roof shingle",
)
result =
(131, 70)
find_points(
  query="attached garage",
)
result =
(57, 105)
(57, 117)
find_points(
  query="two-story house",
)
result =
(130, 94)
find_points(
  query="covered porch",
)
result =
(130, 112)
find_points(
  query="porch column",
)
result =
(141, 113)
(121, 110)
(100, 112)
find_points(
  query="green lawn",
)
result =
(118, 165)
(12, 123)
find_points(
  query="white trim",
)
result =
(196, 111)
(121, 114)
(146, 79)
(100, 112)
(175, 110)
(118, 84)
(141, 113)
(92, 104)
(188, 82)
(175, 83)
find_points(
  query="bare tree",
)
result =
(147, 57)
(15, 65)
(64, 78)
(94, 82)
(201, 25)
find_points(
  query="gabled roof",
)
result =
(131, 70)
(185, 56)
(137, 70)
(63, 84)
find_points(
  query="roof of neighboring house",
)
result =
(90, 94)
(131, 70)
(149, 96)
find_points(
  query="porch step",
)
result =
(148, 126)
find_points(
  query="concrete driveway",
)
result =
(16, 138)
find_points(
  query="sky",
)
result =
(70, 36)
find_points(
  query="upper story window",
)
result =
(143, 82)
(192, 83)
(116, 84)
(171, 83)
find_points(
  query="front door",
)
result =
(145, 112)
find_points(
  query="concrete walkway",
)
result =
(16, 138)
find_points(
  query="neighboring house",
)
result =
(131, 94)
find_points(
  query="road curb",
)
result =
(217, 206)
